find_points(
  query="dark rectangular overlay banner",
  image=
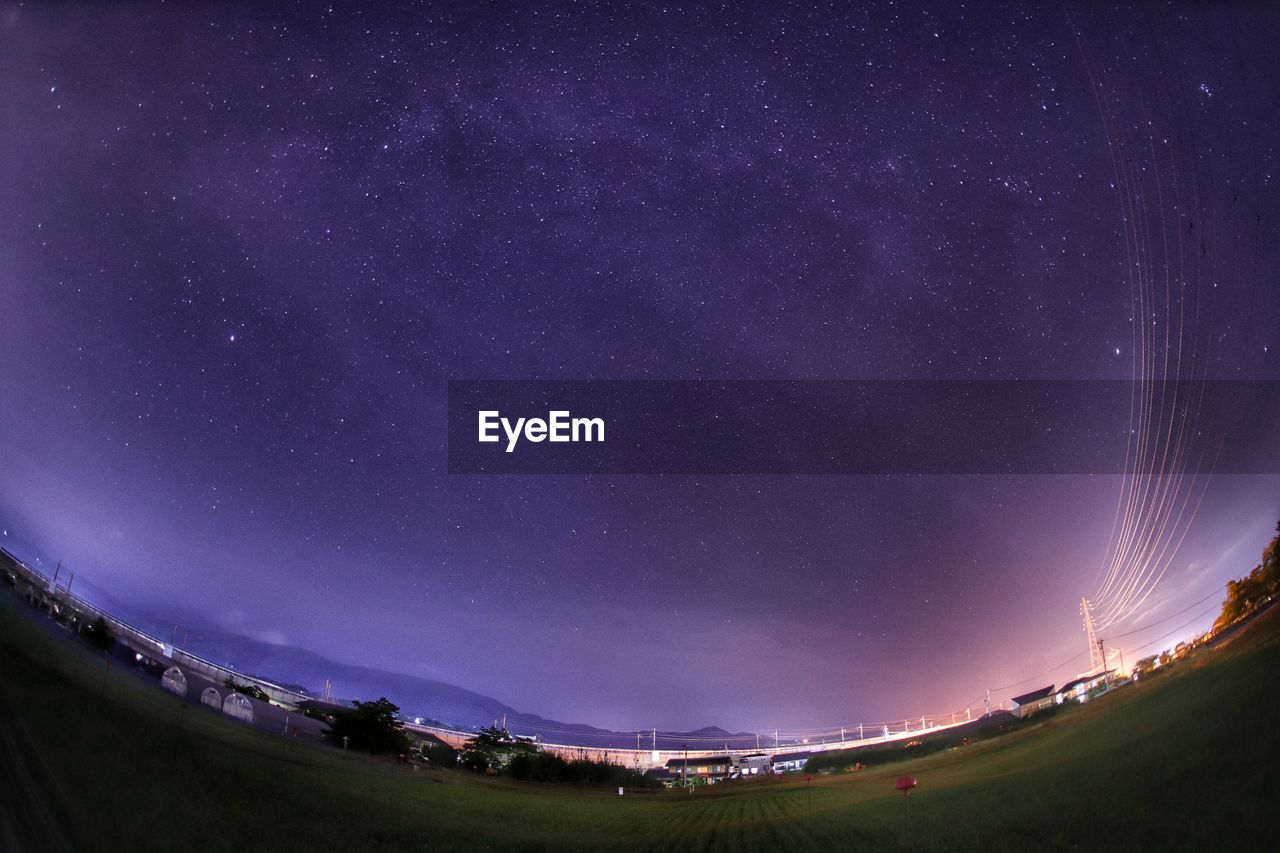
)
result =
(863, 427)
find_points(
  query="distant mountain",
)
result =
(417, 697)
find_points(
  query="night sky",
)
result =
(242, 252)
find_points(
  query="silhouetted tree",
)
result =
(99, 635)
(370, 726)
(1254, 589)
(494, 748)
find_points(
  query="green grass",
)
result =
(1184, 761)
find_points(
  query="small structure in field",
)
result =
(238, 705)
(174, 681)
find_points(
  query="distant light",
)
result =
(233, 339)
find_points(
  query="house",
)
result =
(701, 768)
(752, 764)
(786, 762)
(1037, 700)
(1079, 689)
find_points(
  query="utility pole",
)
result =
(655, 740)
(987, 701)
(842, 734)
(775, 737)
(1097, 657)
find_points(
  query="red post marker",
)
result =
(905, 784)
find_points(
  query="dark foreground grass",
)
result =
(1186, 761)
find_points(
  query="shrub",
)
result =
(251, 690)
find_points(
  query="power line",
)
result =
(1165, 619)
(1041, 674)
(1189, 622)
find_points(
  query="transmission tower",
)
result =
(1097, 660)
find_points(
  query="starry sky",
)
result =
(243, 251)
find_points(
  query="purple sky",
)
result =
(241, 254)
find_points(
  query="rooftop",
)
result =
(1085, 679)
(1042, 693)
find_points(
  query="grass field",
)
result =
(1186, 760)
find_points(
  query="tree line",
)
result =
(375, 727)
(497, 751)
(1249, 593)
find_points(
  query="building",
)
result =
(701, 768)
(1078, 690)
(753, 764)
(786, 762)
(1037, 700)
